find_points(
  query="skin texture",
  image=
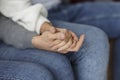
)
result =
(57, 40)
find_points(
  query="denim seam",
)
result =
(9, 78)
(100, 17)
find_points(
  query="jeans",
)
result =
(105, 16)
(16, 70)
(89, 63)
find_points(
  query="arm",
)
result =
(29, 16)
(13, 34)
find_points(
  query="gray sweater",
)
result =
(13, 34)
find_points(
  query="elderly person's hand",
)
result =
(70, 39)
(46, 39)
(57, 40)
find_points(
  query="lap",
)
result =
(95, 39)
(94, 54)
(92, 36)
(56, 63)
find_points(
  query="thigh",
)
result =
(13, 70)
(91, 61)
(58, 64)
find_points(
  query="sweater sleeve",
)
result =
(13, 34)
(29, 16)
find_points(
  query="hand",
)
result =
(78, 44)
(48, 27)
(43, 41)
(70, 38)
(68, 33)
(69, 42)
(66, 48)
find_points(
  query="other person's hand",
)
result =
(44, 40)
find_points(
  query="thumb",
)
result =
(53, 30)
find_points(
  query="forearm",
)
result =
(13, 34)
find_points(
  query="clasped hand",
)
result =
(57, 40)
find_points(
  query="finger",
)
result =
(79, 43)
(74, 44)
(59, 36)
(59, 29)
(56, 42)
(63, 52)
(65, 31)
(74, 36)
(68, 45)
(59, 45)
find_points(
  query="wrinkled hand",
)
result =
(69, 46)
(43, 42)
(70, 41)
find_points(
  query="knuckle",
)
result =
(49, 37)
(64, 42)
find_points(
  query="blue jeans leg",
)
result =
(12, 70)
(56, 63)
(91, 61)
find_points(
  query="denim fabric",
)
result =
(57, 64)
(14, 70)
(89, 63)
(102, 15)
(105, 16)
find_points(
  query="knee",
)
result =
(25, 71)
(96, 35)
(97, 42)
